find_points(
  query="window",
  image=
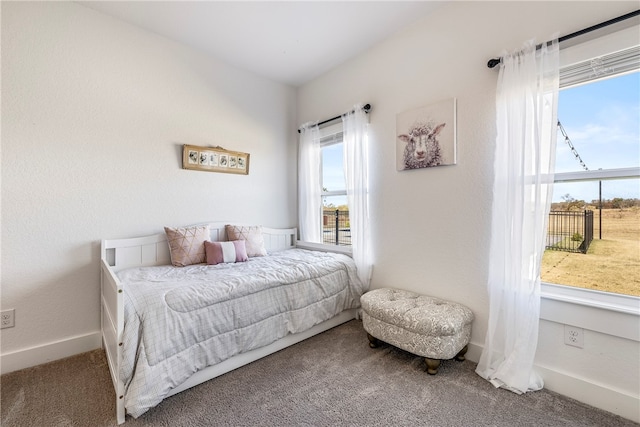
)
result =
(594, 224)
(335, 213)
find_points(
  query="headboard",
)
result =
(154, 249)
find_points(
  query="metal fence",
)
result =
(336, 229)
(570, 231)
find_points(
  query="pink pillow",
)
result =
(252, 235)
(186, 244)
(219, 252)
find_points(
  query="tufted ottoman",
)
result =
(429, 327)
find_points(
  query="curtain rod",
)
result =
(495, 61)
(366, 109)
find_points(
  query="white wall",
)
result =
(94, 113)
(431, 227)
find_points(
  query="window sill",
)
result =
(324, 248)
(604, 312)
(604, 300)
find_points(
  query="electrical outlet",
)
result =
(573, 336)
(7, 318)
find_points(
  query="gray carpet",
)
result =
(333, 379)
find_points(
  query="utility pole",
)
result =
(600, 209)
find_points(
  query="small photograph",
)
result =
(193, 157)
(204, 158)
(213, 159)
(242, 162)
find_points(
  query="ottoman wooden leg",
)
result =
(373, 341)
(432, 365)
(460, 356)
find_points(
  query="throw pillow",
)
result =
(219, 252)
(186, 244)
(252, 235)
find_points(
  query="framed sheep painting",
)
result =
(426, 136)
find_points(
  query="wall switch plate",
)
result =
(573, 336)
(7, 318)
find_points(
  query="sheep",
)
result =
(422, 149)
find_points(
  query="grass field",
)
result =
(611, 264)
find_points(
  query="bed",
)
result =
(166, 329)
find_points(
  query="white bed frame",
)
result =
(118, 254)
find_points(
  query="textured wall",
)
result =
(431, 227)
(94, 113)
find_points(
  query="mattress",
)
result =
(179, 320)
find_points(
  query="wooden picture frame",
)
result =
(214, 159)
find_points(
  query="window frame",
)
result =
(330, 134)
(621, 303)
(606, 312)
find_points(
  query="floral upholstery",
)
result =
(423, 325)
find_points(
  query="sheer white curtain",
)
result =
(524, 162)
(356, 172)
(309, 190)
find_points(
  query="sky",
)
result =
(333, 173)
(602, 120)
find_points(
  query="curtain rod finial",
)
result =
(493, 62)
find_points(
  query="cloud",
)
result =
(614, 145)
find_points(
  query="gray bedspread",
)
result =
(179, 320)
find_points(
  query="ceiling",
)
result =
(287, 41)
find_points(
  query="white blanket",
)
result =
(179, 320)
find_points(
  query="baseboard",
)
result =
(473, 352)
(596, 395)
(593, 394)
(49, 352)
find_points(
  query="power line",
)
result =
(573, 149)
